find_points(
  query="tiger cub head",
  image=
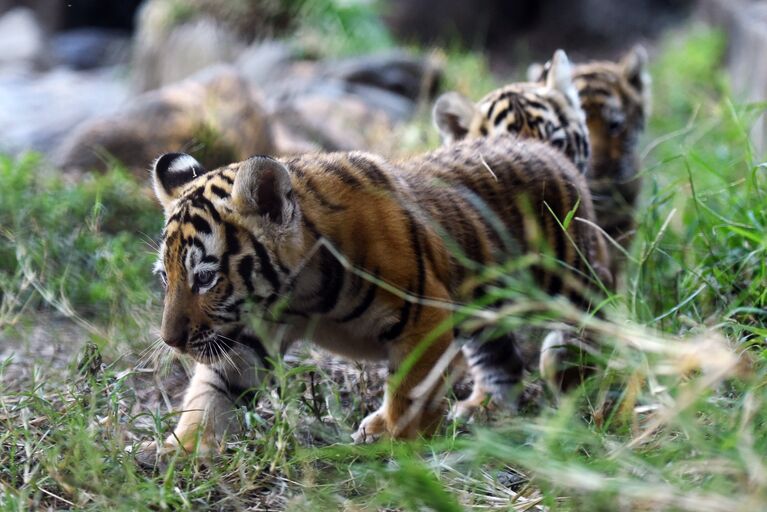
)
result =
(616, 99)
(218, 250)
(548, 110)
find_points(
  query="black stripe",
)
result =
(332, 281)
(198, 200)
(245, 269)
(226, 178)
(538, 105)
(267, 269)
(371, 171)
(395, 330)
(366, 302)
(498, 119)
(201, 224)
(220, 192)
(311, 187)
(234, 305)
(343, 174)
(223, 317)
(415, 240)
(232, 246)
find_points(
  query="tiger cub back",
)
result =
(548, 110)
(616, 99)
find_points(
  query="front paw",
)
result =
(150, 454)
(371, 429)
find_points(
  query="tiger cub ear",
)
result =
(171, 172)
(536, 72)
(262, 187)
(560, 73)
(635, 70)
(559, 76)
(453, 115)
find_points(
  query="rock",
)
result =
(174, 40)
(341, 104)
(266, 62)
(184, 51)
(411, 77)
(90, 48)
(37, 110)
(21, 39)
(333, 124)
(745, 23)
(212, 115)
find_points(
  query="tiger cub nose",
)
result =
(177, 340)
(175, 331)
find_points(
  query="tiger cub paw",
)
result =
(150, 454)
(371, 429)
(465, 410)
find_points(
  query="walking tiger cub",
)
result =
(364, 256)
(548, 110)
(616, 99)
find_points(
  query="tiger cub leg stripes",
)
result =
(496, 366)
(207, 413)
(403, 415)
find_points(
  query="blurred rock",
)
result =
(340, 104)
(37, 110)
(212, 115)
(90, 48)
(399, 73)
(345, 122)
(266, 62)
(745, 23)
(182, 52)
(22, 41)
(175, 40)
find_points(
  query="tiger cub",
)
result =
(548, 110)
(364, 256)
(616, 97)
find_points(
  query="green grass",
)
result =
(676, 421)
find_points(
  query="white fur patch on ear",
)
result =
(184, 163)
(171, 172)
(560, 78)
(453, 115)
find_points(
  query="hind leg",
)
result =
(496, 366)
(562, 364)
